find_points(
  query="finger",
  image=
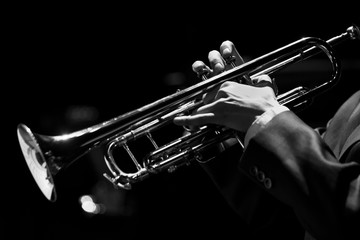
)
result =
(265, 81)
(201, 69)
(260, 78)
(197, 65)
(233, 59)
(216, 61)
(194, 120)
(229, 52)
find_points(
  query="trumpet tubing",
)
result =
(47, 155)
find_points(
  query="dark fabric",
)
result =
(288, 171)
(344, 122)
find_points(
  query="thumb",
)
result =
(265, 81)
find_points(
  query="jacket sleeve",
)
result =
(257, 208)
(291, 162)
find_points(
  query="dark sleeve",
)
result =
(259, 209)
(291, 162)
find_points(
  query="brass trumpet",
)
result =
(47, 155)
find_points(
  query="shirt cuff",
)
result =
(262, 120)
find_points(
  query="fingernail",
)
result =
(226, 52)
(219, 67)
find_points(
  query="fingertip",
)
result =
(219, 67)
(181, 120)
(226, 52)
(261, 78)
(265, 81)
(265, 77)
(226, 48)
(178, 120)
(198, 65)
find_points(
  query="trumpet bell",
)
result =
(36, 162)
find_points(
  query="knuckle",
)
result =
(264, 77)
(225, 85)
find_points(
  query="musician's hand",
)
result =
(232, 104)
(219, 61)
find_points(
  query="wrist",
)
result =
(261, 121)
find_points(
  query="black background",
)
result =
(113, 59)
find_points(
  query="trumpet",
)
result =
(47, 155)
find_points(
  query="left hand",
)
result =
(233, 104)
